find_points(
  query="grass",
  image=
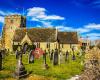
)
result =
(60, 72)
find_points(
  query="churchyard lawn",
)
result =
(58, 72)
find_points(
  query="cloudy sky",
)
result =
(82, 16)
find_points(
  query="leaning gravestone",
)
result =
(92, 65)
(55, 58)
(20, 69)
(0, 60)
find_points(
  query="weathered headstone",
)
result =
(44, 58)
(31, 57)
(0, 60)
(20, 69)
(66, 56)
(73, 55)
(61, 58)
(51, 55)
(55, 58)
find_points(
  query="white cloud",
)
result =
(93, 34)
(53, 17)
(36, 11)
(66, 28)
(2, 13)
(1, 19)
(93, 26)
(47, 24)
(40, 14)
(94, 38)
(34, 19)
(82, 30)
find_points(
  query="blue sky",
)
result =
(82, 16)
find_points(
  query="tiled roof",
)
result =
(68, 37)
(45, 35)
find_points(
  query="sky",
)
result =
(82, 16)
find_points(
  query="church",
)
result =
(15, 33)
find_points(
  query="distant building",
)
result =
(97, 42)
(84, 42)
(15, 33)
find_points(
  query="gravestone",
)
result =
(0, 60)
(61, 58)
(20, 69)
(44, 59)
(51, 55)
(31, 57)
(73, 55)
(66, 56)
(55, 57)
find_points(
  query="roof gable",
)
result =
(26, 39)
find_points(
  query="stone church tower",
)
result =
(12, 22)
